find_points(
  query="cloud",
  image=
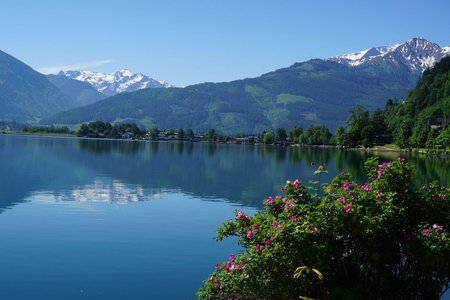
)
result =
(74, 67)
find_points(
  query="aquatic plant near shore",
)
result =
(381, 239)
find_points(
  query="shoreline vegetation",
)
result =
(379, 239)
(169, 136)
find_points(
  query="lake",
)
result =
(105, 219)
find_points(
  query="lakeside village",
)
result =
(130, 131)
(314, 135)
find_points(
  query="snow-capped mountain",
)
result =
(117, 82)
(417, 54)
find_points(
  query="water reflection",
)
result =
(117, 171)
(101, 190)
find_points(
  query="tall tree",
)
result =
(268, 138)
(340, 137)
(180, 133)
(189, 134)
(154, 132)
(357, 120)
(280, 135)
(212, 134)
(294, 134)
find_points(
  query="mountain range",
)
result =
(117, 82)
(316, 91)
(416, 54)
(28, 96)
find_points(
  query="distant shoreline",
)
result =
(427, 152)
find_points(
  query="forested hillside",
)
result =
(313, 92)
(423, 118)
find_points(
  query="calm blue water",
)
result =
(99, 219)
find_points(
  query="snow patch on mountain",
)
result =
(417, 53)
(117, 82)
(446, 50)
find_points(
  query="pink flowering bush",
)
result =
(378, 239)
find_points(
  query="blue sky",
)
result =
(188, 42)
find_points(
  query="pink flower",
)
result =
(256, 226)
(400, 159)
(227, 266)
(217, 266)
(379, 173)
(345, 185)
(295, 185)
(378, 192)
(294, 218)
(314, 230)
(346, 209)
(246, 276)
(387, 164)
(259, 247)
(382, 199)
(269, 201)
(232, 257)
(238, 266)
(286, 207)
(275, 225)
(218, 286)
(366, 187)
(292, 202)
(426, 232)
(249, 234)
(437, 226)
(424, 187)
(341, 199)
(283, 189)
(268, 242)
(211, 278)
(440, 197)
(239, 215)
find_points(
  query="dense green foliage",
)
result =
(316, 135)
(364, 129)
(105, 129)
(47, 130)
(419, 121)
(384, 239)
(79, 92)
(313, 92)
(411, 121)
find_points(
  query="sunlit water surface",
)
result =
(100, 219)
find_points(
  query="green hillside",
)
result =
(317, 91)
(422, 119)
(26, 95)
